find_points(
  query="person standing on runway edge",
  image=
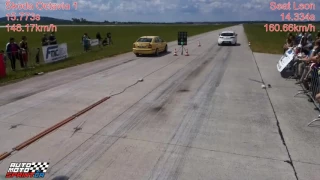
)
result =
(24, 51)
(12, 49)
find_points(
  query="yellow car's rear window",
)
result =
(144, 40)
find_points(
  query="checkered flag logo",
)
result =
(39, 167)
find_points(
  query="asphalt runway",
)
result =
(203, 116)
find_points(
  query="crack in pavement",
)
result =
(290, 161)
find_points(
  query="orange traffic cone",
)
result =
(175, 52)
(187, 54)
(199, 44)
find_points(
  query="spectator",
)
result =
(52, 39)
(86, 42)
(305, 44)
(304, 67)
(4, 56)
(2, 64)
(309, 39)
(289, 42)
(318, 98)
(105, 42)
(109, 38)
(298, 37)
(12, 49)
(318, 35)
(24, 51)
(38, 56)
(98, 36)
(302, 64)
(85, 35)
(44, 40)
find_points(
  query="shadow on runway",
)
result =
(160, 55)
(238, 44)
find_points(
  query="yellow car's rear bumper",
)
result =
(143, 51)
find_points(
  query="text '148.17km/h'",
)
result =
(31, 28)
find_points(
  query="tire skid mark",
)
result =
(170, 164)
(175, 86)
(157, 103)
(140, 111)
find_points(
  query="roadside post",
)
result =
(182, 40)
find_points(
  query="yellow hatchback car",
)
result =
(149, 45)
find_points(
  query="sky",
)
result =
(166, 10)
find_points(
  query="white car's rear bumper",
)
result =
(226, 41)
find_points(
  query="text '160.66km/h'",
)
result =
(302, 13)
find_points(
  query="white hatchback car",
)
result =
(227, 37)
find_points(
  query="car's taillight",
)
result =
(134, 46)
(150, 46)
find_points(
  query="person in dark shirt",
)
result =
(12, 49)
(86, 42)
(52, 39)
(45, 40)
(38, 56)
(24, 52)
(98, 36)
(109, 38)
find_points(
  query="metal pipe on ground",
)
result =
(52, 128)
(58, 125)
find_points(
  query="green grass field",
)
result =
(267, 42)
(123, 37)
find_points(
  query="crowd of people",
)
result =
(101, 42)
(51, 40)
(310, 61)
(16, 52)
(20, 52)
(306, 39)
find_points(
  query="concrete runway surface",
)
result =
(202, 116)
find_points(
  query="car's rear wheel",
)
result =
(156, 53)
(137, 55)
(166, 49)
